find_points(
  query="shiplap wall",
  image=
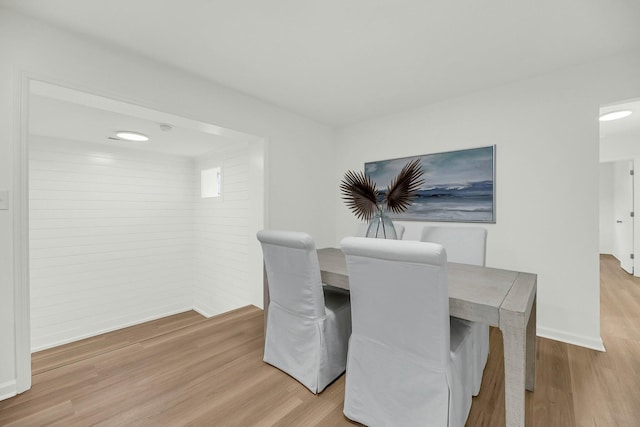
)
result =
(221, 236)
(111, 238)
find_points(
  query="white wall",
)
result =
(546, 133)
(607, 219)
(221, 228)
(111, 238)
(620, 148)
(299, 151)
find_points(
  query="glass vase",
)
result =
(381, 226)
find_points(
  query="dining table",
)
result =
(502, 298)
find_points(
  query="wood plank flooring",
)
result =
(186, 370)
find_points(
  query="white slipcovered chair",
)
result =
(308, 324)
(466, 245)
(363, 226)
(408, 361)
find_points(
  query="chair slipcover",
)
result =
(362, 230)
(308, 324)
(408, 361)
(466, 245)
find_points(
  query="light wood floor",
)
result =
(188, 370)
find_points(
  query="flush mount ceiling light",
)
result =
(132, 136)
(615, 115)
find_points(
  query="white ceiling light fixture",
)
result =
(615, 115)
(128, 135)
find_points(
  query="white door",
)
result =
(623, 212)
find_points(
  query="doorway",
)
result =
(623, 247)
(619, 152)
(68, 140)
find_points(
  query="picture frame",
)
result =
(459, 185)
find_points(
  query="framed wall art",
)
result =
(459, 185)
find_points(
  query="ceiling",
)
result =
(71, 121)
(342, 61)
(628, 127)
(620, 139)
(71, 115)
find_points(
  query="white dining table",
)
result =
(502, 298)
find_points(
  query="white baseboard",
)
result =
(8, 389)
(210, 310)
(122, 323)
(205, 310)
(579, 340)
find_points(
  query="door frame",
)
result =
(20, 200)
(624, 169)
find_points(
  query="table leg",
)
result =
(531, 348)
(513, 329)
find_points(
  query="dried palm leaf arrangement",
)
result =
(363, 198)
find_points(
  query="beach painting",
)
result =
(459, 185)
